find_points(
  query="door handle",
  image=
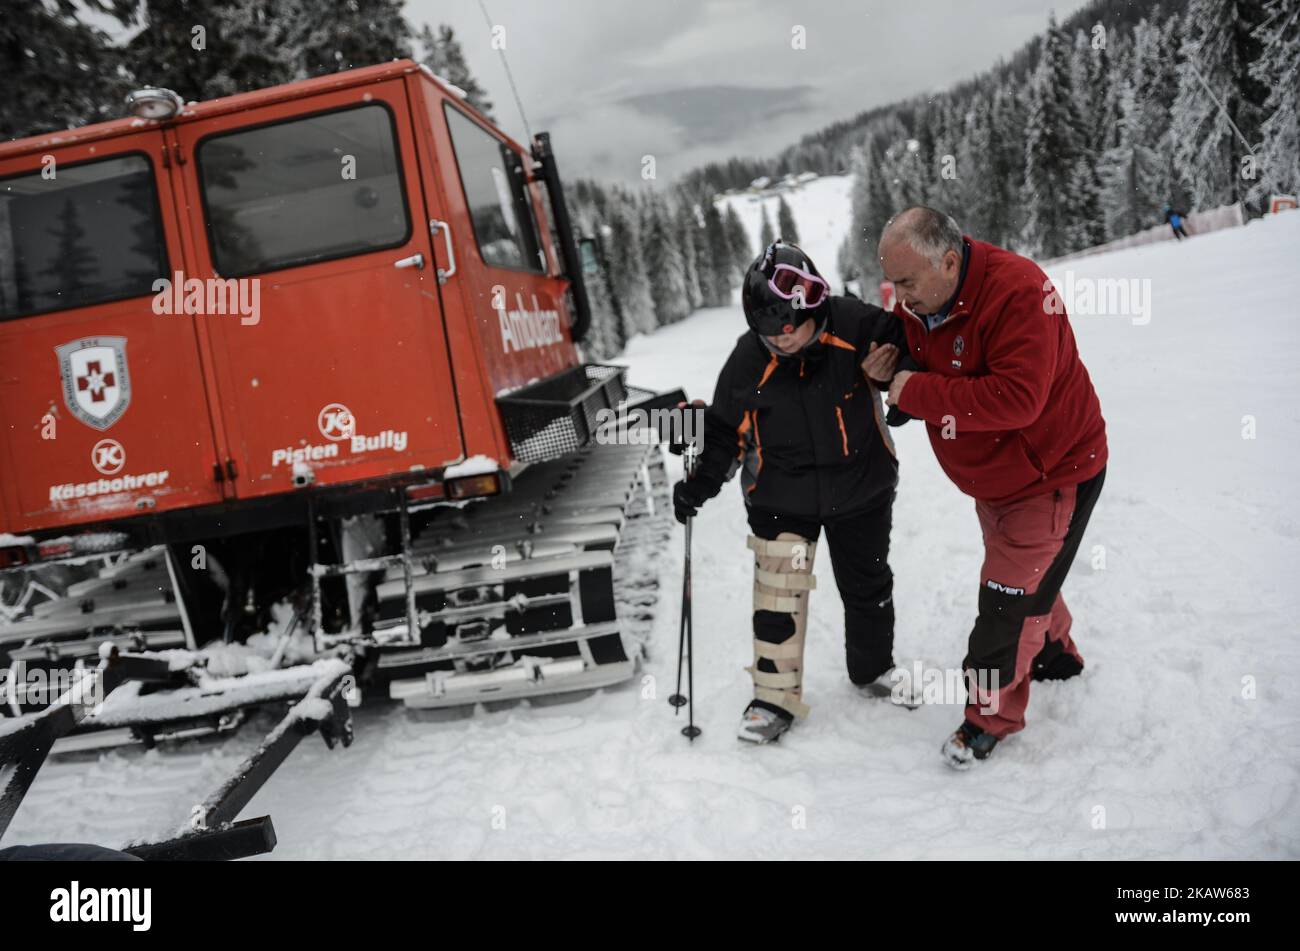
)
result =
(434, 227)
(415, 260)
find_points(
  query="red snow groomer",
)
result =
(295, 373)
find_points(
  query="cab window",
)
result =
(80, 234)
(308, 189)
(493, 177)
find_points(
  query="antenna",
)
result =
(509, 75)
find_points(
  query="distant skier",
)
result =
(1015, 422)
(1175, 219)
(794, 411)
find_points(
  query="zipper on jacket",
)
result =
(1036, 462)
(844, 436)
(928, 332)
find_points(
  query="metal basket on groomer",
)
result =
(558, 415)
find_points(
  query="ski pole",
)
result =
(676, 699)
(685, 633)
(690, 731)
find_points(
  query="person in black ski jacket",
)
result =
(797, 411)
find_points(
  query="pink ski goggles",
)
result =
(803, 290)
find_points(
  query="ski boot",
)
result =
(763, 723)
(1053, 663)
(896, 685)
(969, 743)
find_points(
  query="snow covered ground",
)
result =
(1161, 749)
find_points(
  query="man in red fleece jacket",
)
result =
(1015, 423)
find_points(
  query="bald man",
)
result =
(1015, 423)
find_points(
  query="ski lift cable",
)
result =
(1222, 108)
(510, 77)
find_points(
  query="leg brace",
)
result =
(782, 579)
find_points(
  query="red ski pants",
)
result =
(1028, 548)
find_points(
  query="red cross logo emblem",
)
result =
(96, 381)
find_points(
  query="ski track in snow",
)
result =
(1201, 530)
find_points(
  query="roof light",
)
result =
(153, 103)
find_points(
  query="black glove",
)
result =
(687, 499)
(667, 433)
(896, 417)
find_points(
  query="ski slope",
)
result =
(1156, 751)
(821, 213)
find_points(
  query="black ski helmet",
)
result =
(768, 313)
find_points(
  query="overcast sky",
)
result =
(689, 81)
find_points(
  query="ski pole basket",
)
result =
(555, 416)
